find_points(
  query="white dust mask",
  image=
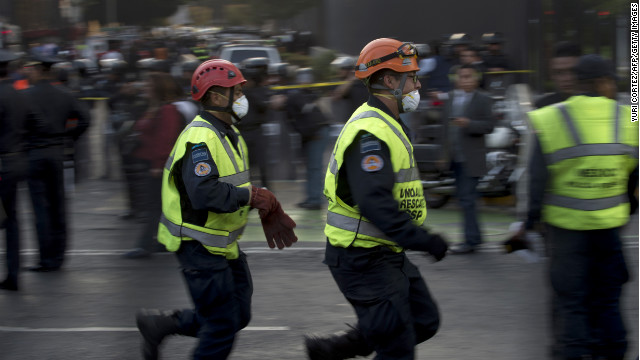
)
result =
(241, 106)
(410, 101)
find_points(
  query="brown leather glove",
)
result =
(263, 200)
(278, 227)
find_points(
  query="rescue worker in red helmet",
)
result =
(206, 198)
(376, 211)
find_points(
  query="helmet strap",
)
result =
(397, 93)
(227, 109)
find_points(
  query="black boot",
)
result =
(345, 345)
(154, 325)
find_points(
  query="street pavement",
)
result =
(494, 306)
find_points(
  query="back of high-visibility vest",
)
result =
(590, 146)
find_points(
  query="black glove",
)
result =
(437, 246)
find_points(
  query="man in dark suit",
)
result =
(468, 118)
(14, 116)
(58, 108)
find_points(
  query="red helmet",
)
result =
(386, 54)
(216, 72)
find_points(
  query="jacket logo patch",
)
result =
(372, 163)
(369, 145)
(199, 155)
(202, 169)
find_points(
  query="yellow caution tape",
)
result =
(336, 83)
(286, 87)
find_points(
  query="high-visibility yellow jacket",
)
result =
(590, 146)
(345, 225)
(222, 230)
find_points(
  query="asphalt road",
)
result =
(493, 306)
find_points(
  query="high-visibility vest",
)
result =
(201, 53)
(222, 230)
(345, 224)
(590, 146)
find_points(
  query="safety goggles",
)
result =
(413, 77)
(406, 50)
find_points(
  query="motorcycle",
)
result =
(503, 144)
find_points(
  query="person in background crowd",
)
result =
(259, 95)
(157, 130)
(468, 117)
(349, 96)
(306, 117)
(56, 105)
(376, 209)
(206, 198)
(565, 57)
(581, 175)
(494, 59)
(127, 104)
(14, 117)
(114, 51)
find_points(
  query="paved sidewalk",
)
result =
(493, 306)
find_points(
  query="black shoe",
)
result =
(41, 268)
(9, 285)
(154, 325)
(461, 248)
(138, 253)
(345, 345)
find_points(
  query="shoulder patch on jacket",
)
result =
(368, 142)
(371, 163)
(199, 153)
(202, 169)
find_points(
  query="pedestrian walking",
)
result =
(13, 121)
(376, 209)
(468, 117)
(57, 106)
(157, 131)
(206, 198)
(584, 152)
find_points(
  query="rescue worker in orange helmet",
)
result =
(376, 211)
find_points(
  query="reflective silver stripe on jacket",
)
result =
(356, 225)
(590, 150)
(585, 204)
(580, 149)
(236, 179)
(402, 175)
(219, 241)
(407, 175)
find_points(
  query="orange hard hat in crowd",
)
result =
(386, 53)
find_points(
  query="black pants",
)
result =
(221, 291)
(393, 304)
(588, 270)
(12, 172)
(152, 200)
(46, 186)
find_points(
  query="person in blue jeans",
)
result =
(301, 106)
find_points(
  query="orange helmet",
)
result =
(386, 54)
